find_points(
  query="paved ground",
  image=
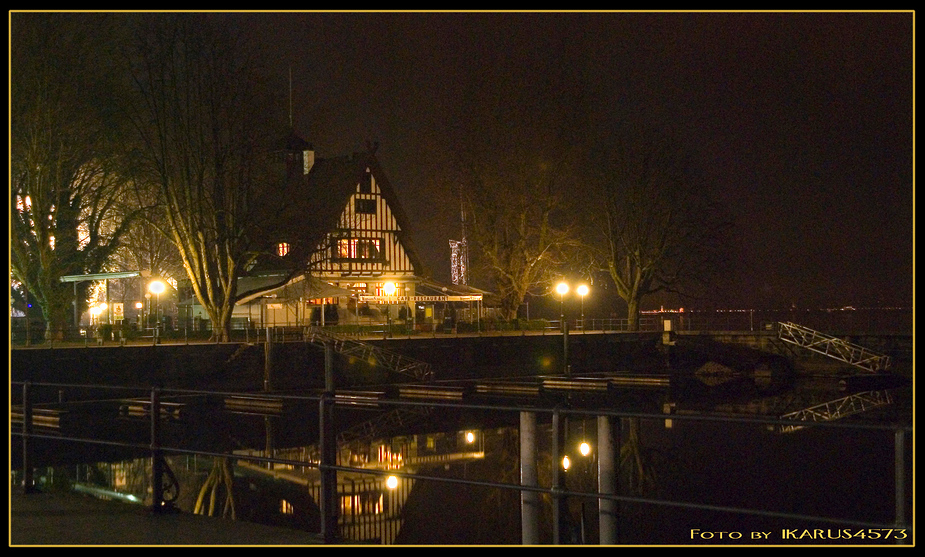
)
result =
(75, 519)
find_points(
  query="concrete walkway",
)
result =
(74, 519)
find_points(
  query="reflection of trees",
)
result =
(220, 480)
(637, 476)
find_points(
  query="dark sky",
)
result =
(802, 122)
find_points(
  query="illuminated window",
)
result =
(358, 248)
(282, 248)
(285, 507)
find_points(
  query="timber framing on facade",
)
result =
(344, 219)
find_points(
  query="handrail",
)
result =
(157, 449)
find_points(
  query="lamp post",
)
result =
(562, 289)
(156, 287)
(389, 290)
(583, 291)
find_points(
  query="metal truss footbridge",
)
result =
(833, 347)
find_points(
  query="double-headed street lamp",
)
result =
(562, 289)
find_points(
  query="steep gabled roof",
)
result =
(315, 203)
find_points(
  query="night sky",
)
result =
(802, 122)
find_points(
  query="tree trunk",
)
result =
(632, 313)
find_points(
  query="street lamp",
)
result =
(562, 289)
(583, 291)
(156, 287)
(389, 290)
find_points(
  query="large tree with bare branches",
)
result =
(658, 226)
(67, 163)
(516, 229)
(204, 119)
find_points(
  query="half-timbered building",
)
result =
(344, 219)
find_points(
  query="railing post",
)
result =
(328, 497)
(28, 479)
(157, 468)
(529, 500)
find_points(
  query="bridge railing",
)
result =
(32, 424)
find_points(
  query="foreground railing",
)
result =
(157, 410)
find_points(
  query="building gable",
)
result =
(368, 236)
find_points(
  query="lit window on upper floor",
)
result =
(282, 248)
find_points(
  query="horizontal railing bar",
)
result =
(508, 408)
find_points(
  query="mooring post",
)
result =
(328, 450)
(268, 362)
(157, 468)
(529, 500)
(28, 480)
(606, 480)
(557, 500)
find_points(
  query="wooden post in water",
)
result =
(606, 480)
(558, 501)
(529, 500)
(328, 450)
(157, 469)
(268, 362)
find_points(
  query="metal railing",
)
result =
(26, 414)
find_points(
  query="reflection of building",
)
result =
(347, 221)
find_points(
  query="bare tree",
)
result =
(66, 163)
(659, 228)
(517, 241)
(516, 159)
(203, 119)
